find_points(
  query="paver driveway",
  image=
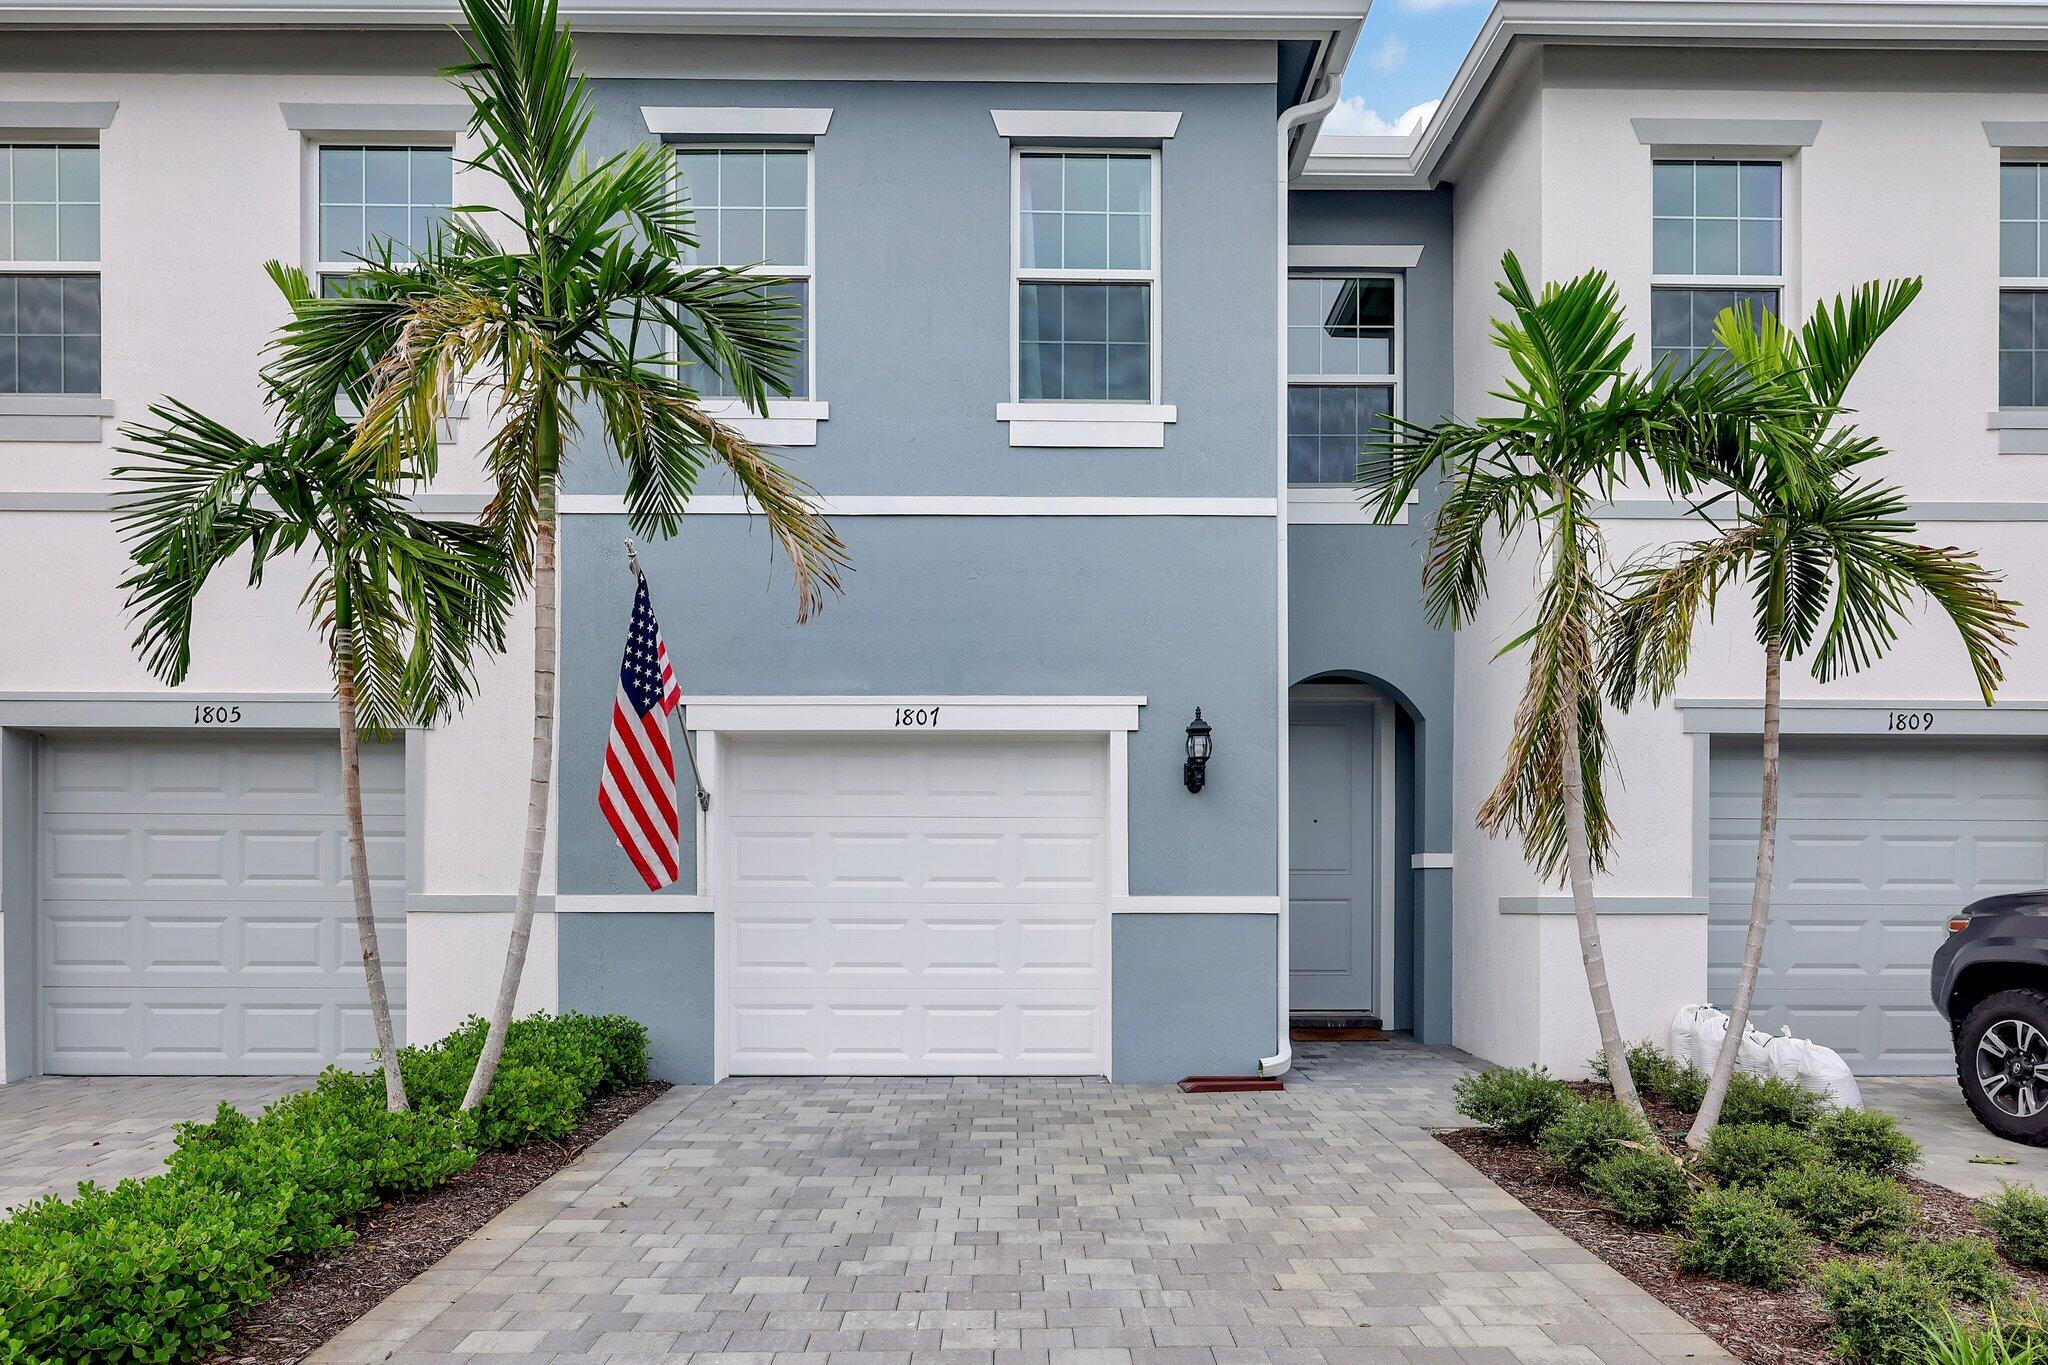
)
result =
(860, 1222)
(58, 1130)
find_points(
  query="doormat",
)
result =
(1304, 1034)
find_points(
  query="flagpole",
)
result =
(703, 796)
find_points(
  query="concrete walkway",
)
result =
(1931, 1108)
(58, 1130)
(867, 1222)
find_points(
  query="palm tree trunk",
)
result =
(359, 869)
(1579, 871)
(1759, 909)
(539, 782)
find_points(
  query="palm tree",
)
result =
(404, 600)
(1579, 424)
(572, 315)
(1828, 557)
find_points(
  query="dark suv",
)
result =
(1991, 982)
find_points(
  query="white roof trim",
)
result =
(2003, 24)
(1360, 257)
(678, 121)
(1086, 125)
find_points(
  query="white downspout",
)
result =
(1290, 120)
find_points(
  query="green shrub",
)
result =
(1519, 1102)
(1867, 1140)
(1751, 1153)
(1968, 1268)
(2018, 1218)
(1658, 1075)
(1880, 1309)
(1643, 1188)
(1841, 1205)
(1965, 1341)
(1587, 1132)
(1741, 1235)
(151, 1270)
(1770, 1099)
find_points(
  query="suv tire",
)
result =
(2002, 1064)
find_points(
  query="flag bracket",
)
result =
(703, 796)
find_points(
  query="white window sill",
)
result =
(1120, 426)
(77, 417)
(790, 421)
(1337, 506)
(2021, 431)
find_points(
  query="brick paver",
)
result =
(58, 1130)
(1931, 1108)
(872, 1222)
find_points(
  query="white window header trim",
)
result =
(56, 116)
(1358, 257)
(1745, 135)
(337, 120)
(1087, 125)
(708, 121)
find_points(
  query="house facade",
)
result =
(1094, 330)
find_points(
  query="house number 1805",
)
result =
(914, 716)
(216, 715)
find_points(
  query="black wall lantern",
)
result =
(1200, 745)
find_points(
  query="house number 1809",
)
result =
(916, 716)
(1909, 720)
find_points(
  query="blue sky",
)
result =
(1407, 53)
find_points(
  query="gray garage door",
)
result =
(196, 917)
(1878, 840)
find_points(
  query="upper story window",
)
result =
(1343, 372)
(49, 268)
(373, 195)
(2022, 285)
(1087, 275)
(1717, 241)
(752, 207)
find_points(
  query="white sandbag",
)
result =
(1685, 1032)
(1696, 1035)
(1820, 1069)
(1764, 1055)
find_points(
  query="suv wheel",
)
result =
(2002, 1064)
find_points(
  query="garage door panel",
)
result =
(920, 906)
(196, 911)
(1879, 842)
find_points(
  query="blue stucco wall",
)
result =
(1354, 592)
(653, 966)
(1193, 995)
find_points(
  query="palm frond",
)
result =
(1647, 641)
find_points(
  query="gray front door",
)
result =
(1333, 825)
(1879, 839)
(196, 912)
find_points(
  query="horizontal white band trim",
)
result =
(428, 903)
(1086, 125)
(1194, 905)
(53, 116)
(913, 715)
(1359, 257)
(634, 904)
(857, 505)
(1900, 721)
(169, 711)
(375, 118)
(1429, 861)
(1605, 905)
(1693, 134)
(731, 121)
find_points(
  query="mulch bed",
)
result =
(1766, 1327)
(396, 1242)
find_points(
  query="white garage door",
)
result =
(915, 906)
(1879, 840)
(196, 912)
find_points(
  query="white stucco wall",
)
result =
(1901, 180)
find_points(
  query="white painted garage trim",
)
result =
(1194, 905)
(166, 711)
(713, 718)
(1867, 716)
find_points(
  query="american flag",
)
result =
(638, 790)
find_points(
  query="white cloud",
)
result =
(1350, 117)
(1392, 51)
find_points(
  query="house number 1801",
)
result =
(926, 717)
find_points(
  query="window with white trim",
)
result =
(752, 211)
(1718, 240)
(1343, 372)
(369, 196)
(2022, 285)
(49, 268)
(1086, 266)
